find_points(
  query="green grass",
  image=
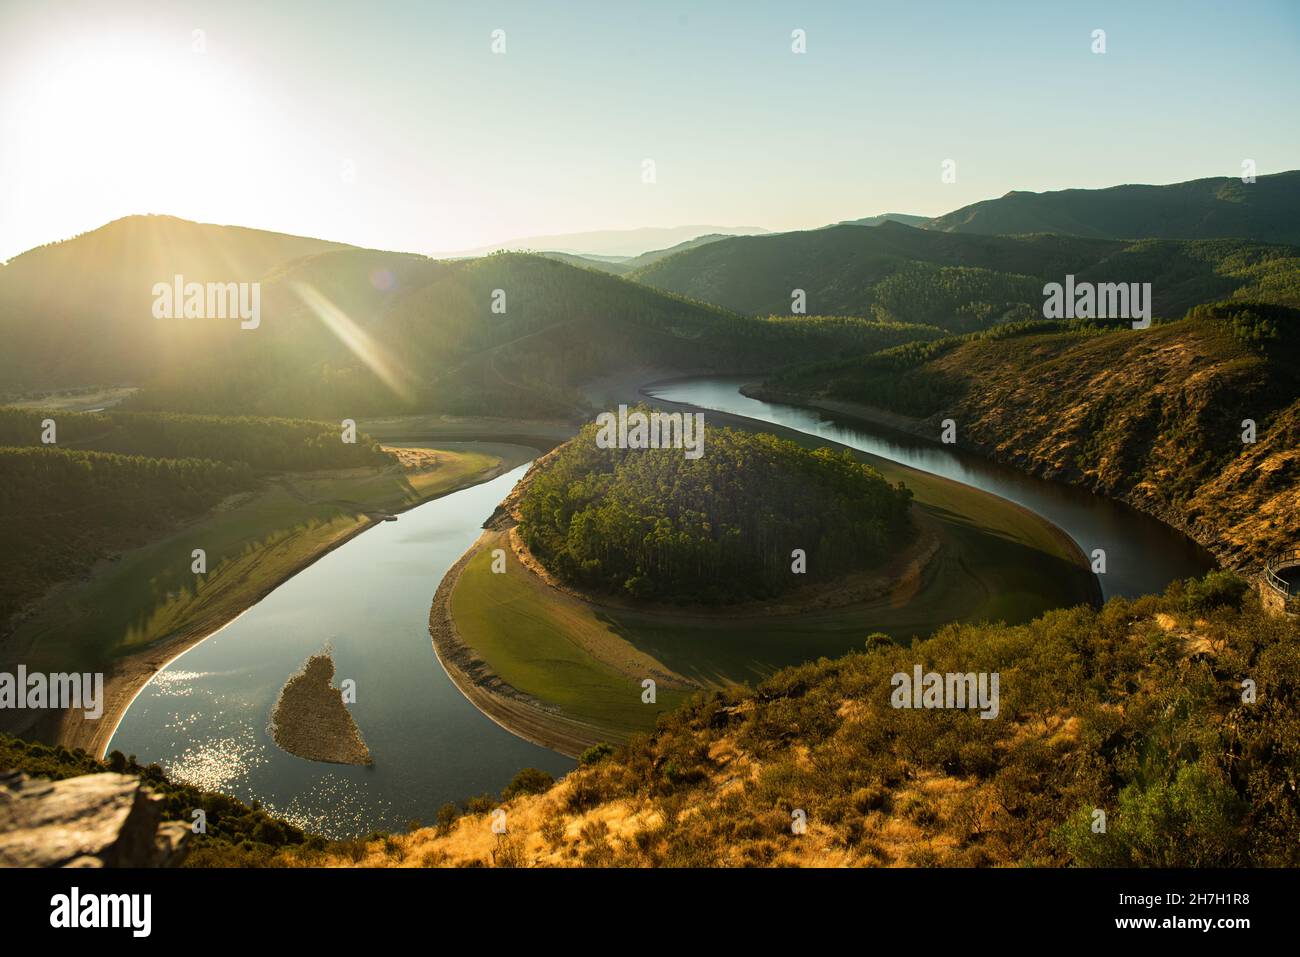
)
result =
(529, 636)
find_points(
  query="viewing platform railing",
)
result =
(1278, 563)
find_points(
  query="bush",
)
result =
(1220, 589)
(595, 753)
(527, 781)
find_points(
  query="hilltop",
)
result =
(1267, 210)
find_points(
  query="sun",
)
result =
(128, 123)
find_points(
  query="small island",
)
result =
(311, 720)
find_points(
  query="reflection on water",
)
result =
(1142, 554)
(204, 717)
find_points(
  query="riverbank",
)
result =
(115, 608)
(511, 709)
(1212, 540)
(551, 663)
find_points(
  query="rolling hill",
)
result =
(349, 331)
(962, 282)
(1221, 207)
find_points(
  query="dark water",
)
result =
(205, 716)
(1143, 555)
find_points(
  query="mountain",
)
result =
(1267, 210)
(612, 242)
(349, 331)
(622, 265)
(63, 305)
(959, 281)
(905, 218)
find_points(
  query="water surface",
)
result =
(205, 716)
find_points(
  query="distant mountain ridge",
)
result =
(962, 281)
(1223, 207)
(907, 219)
(623, 243)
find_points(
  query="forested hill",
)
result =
(79, 311)
(116, 480)
(350, 332)
(653, 523)
(1267, 210)
(1153, 417)
(963, 282)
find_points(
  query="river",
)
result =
(204, 717)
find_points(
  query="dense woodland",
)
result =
(965, 282)
(263, 444)
(654, 524)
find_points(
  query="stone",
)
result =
(95, 820)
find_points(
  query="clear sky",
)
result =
(395, 125)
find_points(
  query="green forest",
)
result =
(653, 524)
(263, 444)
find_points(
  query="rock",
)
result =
(95, 820)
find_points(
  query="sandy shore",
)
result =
(311, 720)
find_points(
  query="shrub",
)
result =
(527, 781)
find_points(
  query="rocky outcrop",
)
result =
(95, 820)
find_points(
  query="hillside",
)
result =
(1135, 709)
(962, 282)
(79, 311)
(354, 332)
(1267, 210)
(1153, 418)
(119, 480)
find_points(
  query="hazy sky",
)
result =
(395, 125)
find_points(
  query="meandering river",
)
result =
(1143, 555)
(204, 717)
